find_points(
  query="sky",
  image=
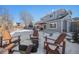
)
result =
(38, 11)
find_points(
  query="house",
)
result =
(40, 25)
(58, 21)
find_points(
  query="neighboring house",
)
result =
(18, 26)
(75, 24)
(40, 24)
(59, 21)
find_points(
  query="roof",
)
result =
(58, 14)
(40, 22)
(75, 18)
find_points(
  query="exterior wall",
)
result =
(62, 24)
(58, 25)
(67, 25)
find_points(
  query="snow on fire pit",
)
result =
(24, 36)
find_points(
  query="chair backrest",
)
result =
(6, 36)
(35, 32)
(60, 38)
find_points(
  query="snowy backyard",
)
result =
(71, 48)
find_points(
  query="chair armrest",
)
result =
(34, 37)
(18, 39)
(50, 38)
(54, 44)
(31, 35)
(9, 47)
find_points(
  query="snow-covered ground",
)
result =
(71, 48)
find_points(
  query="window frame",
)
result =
(53, 24)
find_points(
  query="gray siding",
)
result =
(57, 29)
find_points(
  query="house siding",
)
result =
(58, 26)
(63, 23)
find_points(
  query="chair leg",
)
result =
(46, 52)
(28, 50)
(19, 41)
(10, 51)
(63, 48)
(0, 41)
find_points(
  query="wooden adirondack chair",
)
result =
(8, 43)
(35, 37)
(35, 34)
(55, 46)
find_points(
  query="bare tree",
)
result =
(26, 18)
(5, 18)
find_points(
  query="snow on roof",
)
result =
(41, 21)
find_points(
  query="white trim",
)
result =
(61, 26)
(68, 25)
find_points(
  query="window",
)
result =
(53, 25)
(51, 15)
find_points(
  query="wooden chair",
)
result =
(8, 45)
(35, 34)
(35, 37)
(56, 45)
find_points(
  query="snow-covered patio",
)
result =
(71, 48)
